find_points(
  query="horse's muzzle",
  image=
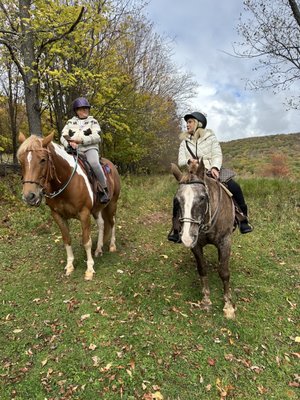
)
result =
(32, 199)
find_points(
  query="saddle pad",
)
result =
(226, 174)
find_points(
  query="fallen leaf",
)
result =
(262, 389)
(44, 362)
(294, 384)
(296, 355)
(211, 362)
(17, 330)
(95, 361)
(106, 368)
(157, 396)
(85, 316)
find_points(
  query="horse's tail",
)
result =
(109, 212)
(108, 215)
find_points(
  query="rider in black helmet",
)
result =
(199, 142)
(83, 133)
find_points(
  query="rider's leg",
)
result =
(238, 196)
(174, 234)
(93, 159)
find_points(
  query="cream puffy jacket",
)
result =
(88, 130)
(203, 144)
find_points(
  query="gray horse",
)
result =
(206, 217)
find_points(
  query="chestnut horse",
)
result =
(50, 172)
(206, 216)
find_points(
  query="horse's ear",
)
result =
(176, 171)
(201, 170)
(21, 137)
(48, 139)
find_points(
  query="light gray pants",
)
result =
(92, 156)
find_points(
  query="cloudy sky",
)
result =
(203, 32)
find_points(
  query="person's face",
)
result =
(82, 112)
(191, 125)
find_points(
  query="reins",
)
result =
(59, 191)
(50, 174)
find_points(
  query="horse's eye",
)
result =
(43, 160)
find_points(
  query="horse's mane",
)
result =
(31, 143)
(191, 174)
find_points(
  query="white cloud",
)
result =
(203, 32)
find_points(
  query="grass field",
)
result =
(137, 331)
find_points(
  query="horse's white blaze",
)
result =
(187, 240)
(29, 158)
(70, 160)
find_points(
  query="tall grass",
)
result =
(137, 331)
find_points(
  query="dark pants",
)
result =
(238, 196)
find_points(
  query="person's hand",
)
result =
(73, 144)
(215, 173)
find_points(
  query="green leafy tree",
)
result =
(29, 30)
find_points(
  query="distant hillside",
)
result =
(275, 155)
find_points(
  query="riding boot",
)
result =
(244, 226)
(174, 235)
(104, 196)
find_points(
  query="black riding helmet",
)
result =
(198, 116)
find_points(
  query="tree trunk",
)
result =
(12, 111)
(31, 78)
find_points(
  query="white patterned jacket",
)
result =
(88, 130)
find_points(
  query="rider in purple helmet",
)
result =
(82, 132)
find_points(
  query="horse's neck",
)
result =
(61, 163)
(213, 192)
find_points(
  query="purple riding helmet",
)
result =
(80, 102)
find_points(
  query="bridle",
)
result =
(50, 173)
(206, 227)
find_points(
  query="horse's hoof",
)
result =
(112, 249)
(229, 312)
(98, 253)
(206, 306)
(69, 270)
(88, 276)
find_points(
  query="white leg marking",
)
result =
(100, 223)
(70, 258)
(90, 262)
(112, 245)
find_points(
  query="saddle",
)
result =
(95, 184)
